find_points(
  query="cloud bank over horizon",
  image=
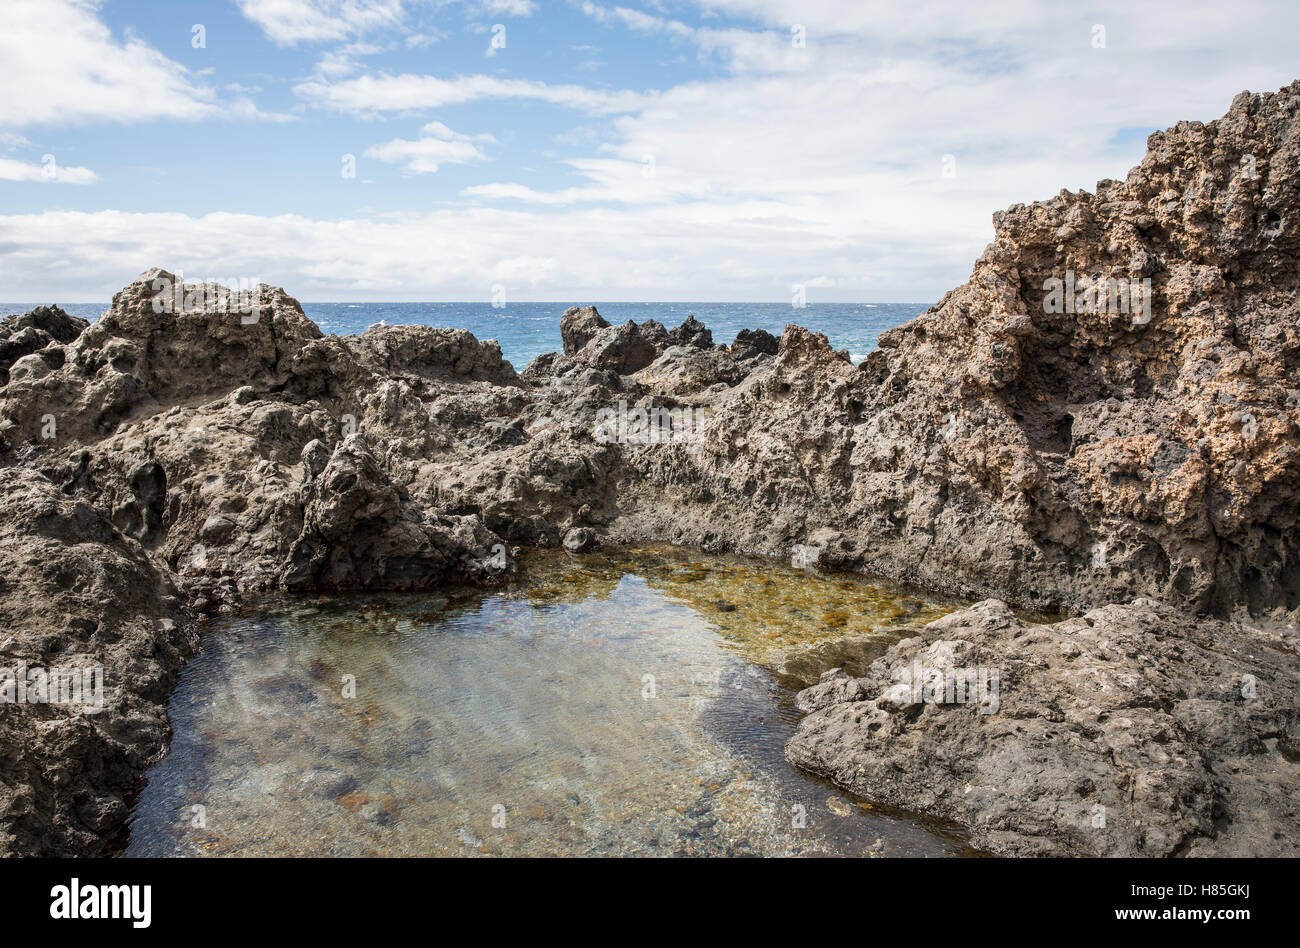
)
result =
(722, 150)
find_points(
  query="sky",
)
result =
(359, 150)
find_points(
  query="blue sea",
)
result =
(526, 330)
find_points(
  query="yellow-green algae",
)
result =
(762, 608)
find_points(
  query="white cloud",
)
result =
(344, 60)
(635, 20)
(289, 22)
(507, 7)
(844, 139)
(421, 40)
(62, 65)
(243, 107)
(437, 144)
(737, 250)
(521, 192)
(413, 93)
(47, 172)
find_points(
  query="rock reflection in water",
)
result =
(620, 703)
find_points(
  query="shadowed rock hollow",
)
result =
(1068, 456)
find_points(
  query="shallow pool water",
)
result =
(629, 702)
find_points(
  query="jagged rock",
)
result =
(154, 348)
(28, 333)
(76, 593)
(213, 490)
(578, 326)
(314, 457)
(624, 349)
(590, 343)
(754, 343)
(541, 369)
(1133, 730)
(579, 540)
(686, 370)
(830, 549)
(361, 531)
(692, 332)
(993, 446)
(50, 320)
(429, 353)
(835, 687)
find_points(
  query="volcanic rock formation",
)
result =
(1101, 422)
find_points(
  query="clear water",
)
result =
(526, 330)
(620, 703)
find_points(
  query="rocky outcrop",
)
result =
(189, 453)
(753, 343)
(578, 326)
(1087, 452)
(1133, 730)
(692, 333)
(361, 531)
(1006, 444)
(22, 335)
(187, 422)
(590, 341)
(78, 596)
(429, 354)
(625, 349)
(687, 370)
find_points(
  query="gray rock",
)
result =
(579, 540)
(75, 592)
(314, 457)
(1134, 730)
(835, 687)
(578, 326)
(362, 531)
(692, 333)
(44, 328)
(625, 349)
(754, 343)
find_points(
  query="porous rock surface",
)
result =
(76, 593)
(1167, 447)
(1132, 730)
(23, 334)
(1138, 473)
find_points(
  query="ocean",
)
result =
(526, 330)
